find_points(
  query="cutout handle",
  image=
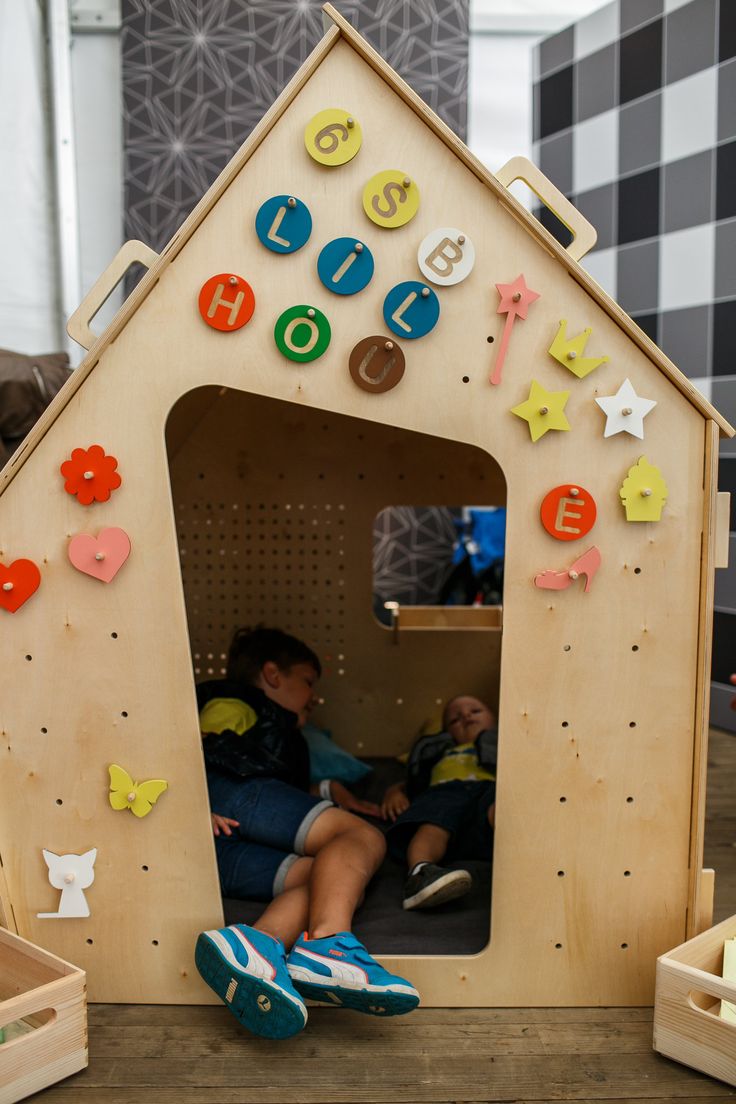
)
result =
(584, 235)
(706, 1003)
(131, 252)
(33, 1005)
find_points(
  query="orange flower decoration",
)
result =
(90, 474)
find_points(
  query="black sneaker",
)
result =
(433, 885)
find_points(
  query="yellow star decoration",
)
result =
(543, 410)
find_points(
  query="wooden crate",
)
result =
(689, 990)
(47, 995)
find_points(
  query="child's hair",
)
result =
(250, 649)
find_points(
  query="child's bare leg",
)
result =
(428, 844)
(286, 917)
(347, 854)
(428, 883)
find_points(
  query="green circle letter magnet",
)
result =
(302, 333)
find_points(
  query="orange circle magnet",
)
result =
(568, 512)
(226, 302)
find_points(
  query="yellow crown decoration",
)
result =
(643, 492)
(569, 351)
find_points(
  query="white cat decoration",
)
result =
(72, 874)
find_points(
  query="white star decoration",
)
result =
(625, 411)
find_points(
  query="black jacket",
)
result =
(273, 748)
(428, 750)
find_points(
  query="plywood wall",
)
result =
(597, 695)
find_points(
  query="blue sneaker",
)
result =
(339, 970)
(247, 970)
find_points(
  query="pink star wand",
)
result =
(516, 299)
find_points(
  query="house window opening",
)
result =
(274, 506)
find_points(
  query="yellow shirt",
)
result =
(460, 764)
(222, 713)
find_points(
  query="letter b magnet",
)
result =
(446, 256)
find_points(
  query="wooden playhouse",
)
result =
(263, 393)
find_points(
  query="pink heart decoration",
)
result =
(101, 556)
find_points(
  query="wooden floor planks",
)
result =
(176, 1055)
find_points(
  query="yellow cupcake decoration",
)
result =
(643, 492)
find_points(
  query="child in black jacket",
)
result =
(277, 842)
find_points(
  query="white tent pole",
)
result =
(65, 175)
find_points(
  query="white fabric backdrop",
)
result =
(28, 313)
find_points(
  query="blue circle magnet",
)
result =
(283, 224)
(345, 266)
(411, 309)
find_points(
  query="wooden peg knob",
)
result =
(130, 798)
(425, 293)
(544, 410)
(7, 586)
(516, 297)
(573, 575)
(99, 555)
(626, 410)
(350, 122)
(574, 492)
(461, 239)
(358, 247)
(406, 182)
(646, 491)
(233, 281)
(89, 475)
(291, 201)
(571, 355)
(388, 346)
(310, 312)
(69, 878)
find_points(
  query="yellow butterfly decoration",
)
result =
(139, 797)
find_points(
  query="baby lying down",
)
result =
(445, 808)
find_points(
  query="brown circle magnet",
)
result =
(377, 364)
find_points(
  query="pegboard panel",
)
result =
(272, 562)
(274, 509)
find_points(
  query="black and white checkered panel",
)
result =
(635, 121)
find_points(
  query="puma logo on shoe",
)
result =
(263, 1002)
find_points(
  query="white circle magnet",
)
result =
(446, 256)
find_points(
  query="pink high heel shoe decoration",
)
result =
(586, 565)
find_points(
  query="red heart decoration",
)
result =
(18, 581)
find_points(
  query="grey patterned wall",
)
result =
(412, 554)
(635, 121)
(199, 74)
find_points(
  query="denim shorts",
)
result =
(461, 808)
(274, 820)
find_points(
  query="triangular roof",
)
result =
(338, 27)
